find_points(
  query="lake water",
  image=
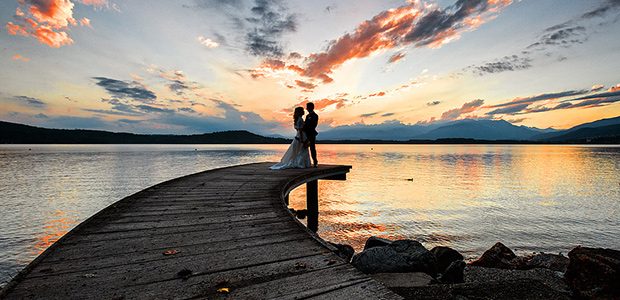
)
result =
(468, 197)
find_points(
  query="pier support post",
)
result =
(312, 204)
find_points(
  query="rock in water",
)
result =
(445, 256)
(498, 256)
(375, 241)
(400, 256)
(594, 273)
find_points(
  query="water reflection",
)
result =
(532, 198)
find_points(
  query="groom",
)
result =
(312, 119)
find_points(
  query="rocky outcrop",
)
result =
(594, 273)
(498, 256)
(445, 256)
(375, 241)
(400, 256)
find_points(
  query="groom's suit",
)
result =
(312, 119)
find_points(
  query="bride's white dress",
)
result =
(296, 156)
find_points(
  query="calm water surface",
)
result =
(531, 198)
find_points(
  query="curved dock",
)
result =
(219, 234)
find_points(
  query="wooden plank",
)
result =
(226, 224)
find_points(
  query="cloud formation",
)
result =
(507, 63)
(269, 22)
(414, 24)
(208, 42)
(30, 101)
(122, 89)
(20, 57)
(466, 108)
(588, 98)
(47, 20)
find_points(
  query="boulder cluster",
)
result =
(442, 273)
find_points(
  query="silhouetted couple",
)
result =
(296, 156)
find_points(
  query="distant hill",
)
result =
(606, 131)
(460, 129)
(557, 135)
(590, 135)
(480, 130)
(11, 133)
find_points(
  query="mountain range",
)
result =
(605, 131)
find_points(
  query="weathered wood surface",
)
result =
(230, 227)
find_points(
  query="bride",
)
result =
(297, 154)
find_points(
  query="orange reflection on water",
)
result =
(55, 228)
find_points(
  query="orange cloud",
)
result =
(48, 21)
(415, 24)
(20, 57)
(466, 108)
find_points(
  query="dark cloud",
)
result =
(522, 106)
(509, 110)
(599, 95)
(429, 28)
(270, 20)
(602, 10)
(507, 63)
(178, 87)
(542, 97)
(187, 110)
(42, 116)
(122, 89)
(562, 36)
(396, 57)
(153, 109)
(433, 103)
(127, 121)
(30, 101)
(368, 115)
(387, 115)
(118, 108)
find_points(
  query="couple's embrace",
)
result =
(296, 156)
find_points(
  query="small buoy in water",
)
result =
(29, 149)
(195, 149)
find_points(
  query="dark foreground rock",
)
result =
(522, 289)
(490, 283)
(500, 256)
(375, 241)
(594, 273)
(400, 256)
(445, 256)
(544, 260)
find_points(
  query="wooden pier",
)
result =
(220, 234)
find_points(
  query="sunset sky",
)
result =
(196, 66)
